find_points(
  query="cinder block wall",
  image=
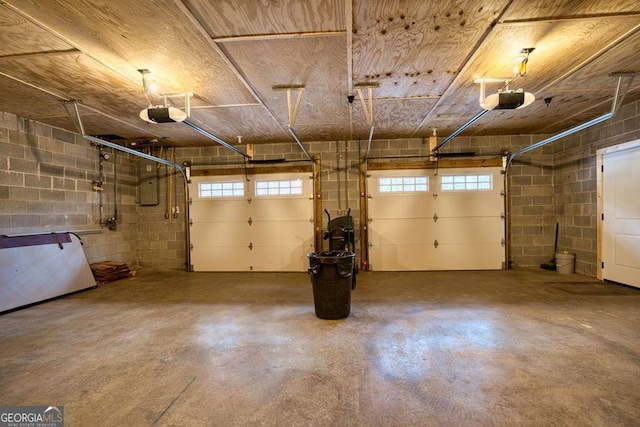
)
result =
(46, 174)
(46, 179)
(575, 192)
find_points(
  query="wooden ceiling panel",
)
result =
(560, 48)
(19, 36)
(253, 124)
(417, 47)
(156, 35)
(424, 55)
(318, 63)
(229, 18)
(522, 10)
(26, 101)
(391, 117)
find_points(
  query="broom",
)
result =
(551, 265)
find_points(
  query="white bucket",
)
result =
(565, 263)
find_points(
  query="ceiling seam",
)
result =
(465, 64)
(234, 69)
(277, 36)
(70, 42)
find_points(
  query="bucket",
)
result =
(565, 262)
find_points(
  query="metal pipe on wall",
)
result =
(118, 147)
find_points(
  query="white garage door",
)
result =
(260, 224)
(621, 216)
(451, 219)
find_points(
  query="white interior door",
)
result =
(237, 226)
(454, 225)
(621, 216)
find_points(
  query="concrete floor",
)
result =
(520, 347)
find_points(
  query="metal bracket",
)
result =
(436, 244)
(250, 246)
(435, 217)
(249, 200)
(435, 195)
(250, 221)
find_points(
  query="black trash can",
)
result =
(331, 276)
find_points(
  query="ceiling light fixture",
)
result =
(150, 83)
(520, 62)
(506, 99)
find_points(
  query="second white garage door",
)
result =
(427, 220)
(263, 223)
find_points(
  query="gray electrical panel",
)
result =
(149, 191)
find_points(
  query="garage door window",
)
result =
(279, 188)
(403, 184)
(221, 189)
(466, 182)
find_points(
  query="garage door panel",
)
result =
(409, 257)
(282, 257)
(468, 227)
(220, 234)
(404, 207)
(220, 258)
(468, 205)
(281, 233)
(276, 227)
(282, 209)
(471, 230)
(218, 210)
(406, 231)
(469, 256)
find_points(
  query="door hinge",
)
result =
(190, 201)
(190, 222)
(602, 217)
(191, 246)
(503, 243)
(602, 265)
(602, 168)
(503, 216)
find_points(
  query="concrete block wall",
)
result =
(46, 179)
(160, 229)
(46, 174)
(575, 175)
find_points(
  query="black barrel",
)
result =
(332, 279)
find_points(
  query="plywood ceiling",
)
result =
(422, 57)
